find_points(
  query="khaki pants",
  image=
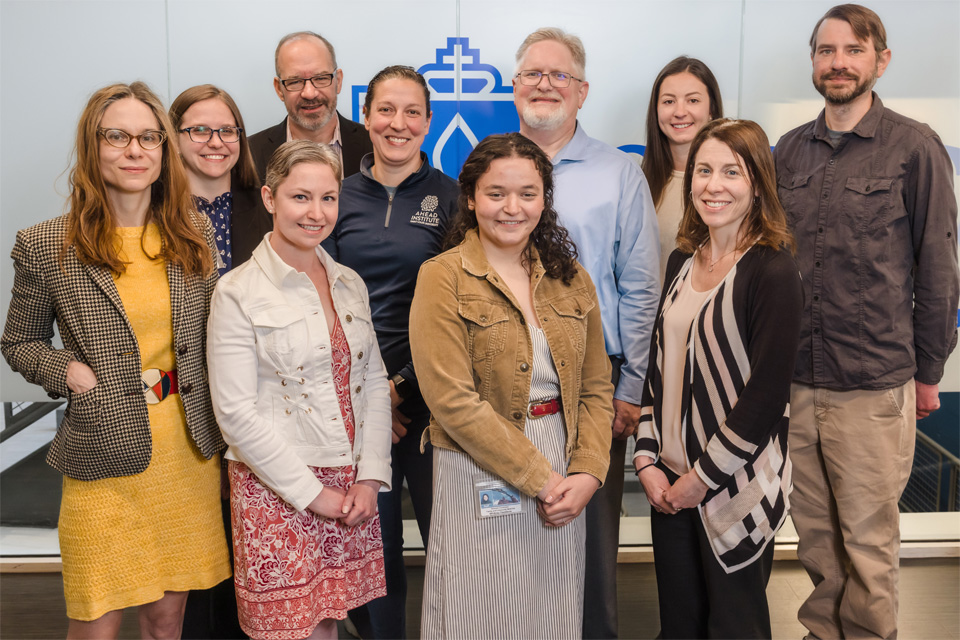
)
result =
(852, 454)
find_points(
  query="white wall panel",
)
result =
(53, 55)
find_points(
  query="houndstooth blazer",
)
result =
(106, 431)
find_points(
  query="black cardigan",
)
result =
(744, 342)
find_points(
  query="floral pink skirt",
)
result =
(293, 569)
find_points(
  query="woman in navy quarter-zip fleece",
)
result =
(393, 216)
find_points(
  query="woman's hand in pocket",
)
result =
(80, 377)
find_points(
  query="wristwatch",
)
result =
(402, 385)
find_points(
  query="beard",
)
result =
(536, 118)
(314, 121)
(844, 96)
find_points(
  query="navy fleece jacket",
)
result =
(386, 239)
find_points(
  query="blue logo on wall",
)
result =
(469, 100)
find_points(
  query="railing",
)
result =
(935, 482)
(17, 416)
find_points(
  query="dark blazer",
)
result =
(106, 431)
(353, 136)
(249, 222)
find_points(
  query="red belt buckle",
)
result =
(545, 408)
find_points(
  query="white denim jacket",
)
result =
(271, 381)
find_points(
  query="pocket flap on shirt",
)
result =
(482, 312)
(275, 316)
(866, 186)
(573, 307)
(792, 181)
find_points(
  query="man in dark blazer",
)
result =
(308, 81)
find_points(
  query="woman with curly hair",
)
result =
(507, 343)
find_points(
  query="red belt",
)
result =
(544, 408)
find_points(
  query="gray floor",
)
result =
(31, 605)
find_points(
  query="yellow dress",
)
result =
(124, 541)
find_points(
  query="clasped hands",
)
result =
(354, 506)
(562, 499)
(687, 492)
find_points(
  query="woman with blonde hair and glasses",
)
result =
(301, 395)
(127, 275)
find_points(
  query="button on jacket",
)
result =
(271, 378)
(875, 221)
(473, 353)
(105, 432)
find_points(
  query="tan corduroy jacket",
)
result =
(473, 356)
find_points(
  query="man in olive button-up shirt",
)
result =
(869, 195)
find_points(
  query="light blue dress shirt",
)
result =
(604, 202)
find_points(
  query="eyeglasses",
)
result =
(297, 84)
(205, 134)
(557, 79)
(120, 139)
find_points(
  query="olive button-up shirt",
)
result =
(875, 219)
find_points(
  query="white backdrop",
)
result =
(54, 54)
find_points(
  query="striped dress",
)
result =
(507, 576)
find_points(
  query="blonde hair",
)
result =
(91, 227)
(295, 152)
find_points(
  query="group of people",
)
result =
(334, 318)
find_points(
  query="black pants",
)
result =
(386, 617)
(698, 599)
(603, 543)
(212, 613)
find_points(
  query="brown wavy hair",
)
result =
(91, 225)
(766, 222)
(244, 173)
(657, 162)
(866, 25)
(557, 252)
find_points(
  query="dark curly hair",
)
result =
(557, 252)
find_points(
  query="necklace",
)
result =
(717, 261)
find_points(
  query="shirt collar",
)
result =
(335, 142)
(866, 128)
(279, 272)
(368, 160)
(576, 149)
(474, 259)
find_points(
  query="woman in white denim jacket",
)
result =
(301, 396)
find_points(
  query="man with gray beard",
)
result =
(308, 82)
(604, 202)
